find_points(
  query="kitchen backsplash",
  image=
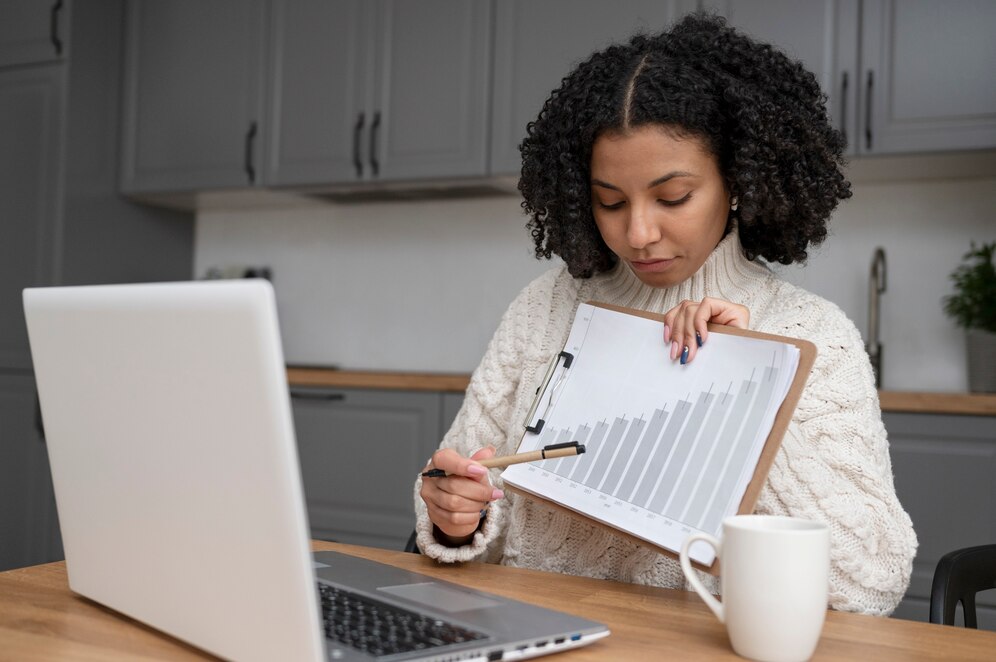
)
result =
(421, 285)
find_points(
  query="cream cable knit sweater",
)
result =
(833, 464)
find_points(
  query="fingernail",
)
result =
(497, 494)
(684, 355)
(476, 470)
(667, 333)
(674, 350)
(698, 338)
(484, 512)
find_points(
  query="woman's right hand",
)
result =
(457, 501)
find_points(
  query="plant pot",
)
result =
(981, 351)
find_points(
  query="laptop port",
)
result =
(558, 640)
(575, 637)
(541, 644)
(495, 655)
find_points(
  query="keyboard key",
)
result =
(379, 628)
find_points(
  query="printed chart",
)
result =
(670, 448)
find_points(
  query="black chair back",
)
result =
(410, 546)
(959, 576)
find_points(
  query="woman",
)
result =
(659, 172)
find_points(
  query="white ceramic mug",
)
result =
(774, 573)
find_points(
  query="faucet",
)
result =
(876, 286)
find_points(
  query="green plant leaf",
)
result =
(973, 304)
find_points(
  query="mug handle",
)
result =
(693, 579)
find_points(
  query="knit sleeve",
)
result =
(834, 466)
(486, 418)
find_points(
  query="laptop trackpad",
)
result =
(440, 597)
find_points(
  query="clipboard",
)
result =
(537, 420)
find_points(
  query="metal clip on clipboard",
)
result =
(538, 426)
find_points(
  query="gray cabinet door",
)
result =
(360, 451)
(29, 530)
(320, 70)
(823, 35)
(537, 42)
(30, 142)
(32, 31)
(944, 468)
(928, 79)
(451, 407)
(431, 102)
(193, 94)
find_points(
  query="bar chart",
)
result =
(669, 451)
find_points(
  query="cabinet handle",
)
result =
(357, 130)
(317, 395)
(868, 112)
(53, 27)
(374, 126)
(843, 106)
(250, 139)
(39, 423)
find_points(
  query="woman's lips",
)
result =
(652, 266)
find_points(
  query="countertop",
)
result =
(979, 404)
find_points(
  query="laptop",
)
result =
(171, 442)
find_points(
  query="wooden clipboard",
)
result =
(807, 357)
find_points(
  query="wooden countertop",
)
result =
(980, 404)
(402, 381)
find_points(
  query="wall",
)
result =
(421, 285)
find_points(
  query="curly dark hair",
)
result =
(761, 114)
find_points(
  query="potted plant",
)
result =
(973, 307)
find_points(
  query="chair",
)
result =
(958, 577)
(411, 547)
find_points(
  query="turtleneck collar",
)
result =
(726, 274)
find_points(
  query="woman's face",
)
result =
(660, 202)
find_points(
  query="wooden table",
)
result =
(40, 619)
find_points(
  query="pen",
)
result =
(546, 453)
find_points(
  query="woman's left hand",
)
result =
(685, 324)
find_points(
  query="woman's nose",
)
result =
(643, 229)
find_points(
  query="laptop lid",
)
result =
(174, 464)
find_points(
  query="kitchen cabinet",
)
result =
(193, 95)
(31, 100)
(923, 81)
(29, 531)
(943, 467)
(378, 91)
(314, 96)
(927, 76)
(430, 101)
(32, 32)
(319, 73)
(64, 223)
(536, 45)
(823, 35)
(360, 451)
(358, 92)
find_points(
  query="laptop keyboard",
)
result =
(379, 628)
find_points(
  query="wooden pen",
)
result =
(550, 452)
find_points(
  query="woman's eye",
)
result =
(673, 203)
(614, 205)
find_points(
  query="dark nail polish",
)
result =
(484, 513)
(684, 355)
(698, 338)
